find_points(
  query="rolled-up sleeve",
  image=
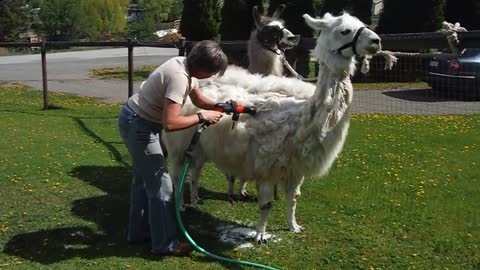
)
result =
(176, 88)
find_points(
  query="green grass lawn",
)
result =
(119, 72)
(404, 194)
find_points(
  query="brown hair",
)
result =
(207, 55)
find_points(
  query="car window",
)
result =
(471, 52)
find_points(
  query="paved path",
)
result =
(417, 101)
(69, 72)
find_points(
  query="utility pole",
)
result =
(135, 14)
(376, 9)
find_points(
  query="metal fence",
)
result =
(454, 92)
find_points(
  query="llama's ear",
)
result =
(316, 24)
(278, 12)
(328, 16)
(256, 17)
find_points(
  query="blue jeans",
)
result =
(151, 200)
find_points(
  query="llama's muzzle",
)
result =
(289, 42)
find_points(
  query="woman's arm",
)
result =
(200, 100)
(173, 120)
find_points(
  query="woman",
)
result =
(154, 108)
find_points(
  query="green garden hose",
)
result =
(179, 193)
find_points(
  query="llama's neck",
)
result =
(336, 63)
(328, 105)
(263, 60)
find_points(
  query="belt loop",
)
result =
(130, 110)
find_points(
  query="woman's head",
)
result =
(206, 59)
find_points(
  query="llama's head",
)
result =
(270, 31)
(341, 38)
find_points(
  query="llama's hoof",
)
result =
(231, 199)
(261, 238)
(296, 228)
(244, 194)
(198, 200)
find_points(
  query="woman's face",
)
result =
(202, 74)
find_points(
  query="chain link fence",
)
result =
(427, 79)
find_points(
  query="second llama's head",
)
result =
(271, 32)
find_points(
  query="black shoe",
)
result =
(181, 249)
(139, 242)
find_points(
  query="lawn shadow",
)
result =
(109, 145)
(55, 107)
(426, 95)
(206, 194)
(420, 95)
(110, 214)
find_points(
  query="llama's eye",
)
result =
(345, 32)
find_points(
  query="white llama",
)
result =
(266, 53)
(268, 41)
(299, 128)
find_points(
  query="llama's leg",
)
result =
(231, 188)
(195, 171)
(275, 192)
(243, 188)
(177, 166)
(292, 190)
(265, 202)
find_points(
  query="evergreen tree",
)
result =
(436, 16)
(237, 20)
(35, 3)
(112, 14)
(61, 19)
(317, 5)
(13, 19)
(335, 7)
(292, 15)
(200, 19)
(155, 11)
(467, 13)
(362, 9)
(423, 16)
(103, 18)
(175, 11)
(92, 21)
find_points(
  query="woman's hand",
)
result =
(211, 117)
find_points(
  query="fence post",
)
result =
(130, 67)
(44, 74)
(181, 46)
